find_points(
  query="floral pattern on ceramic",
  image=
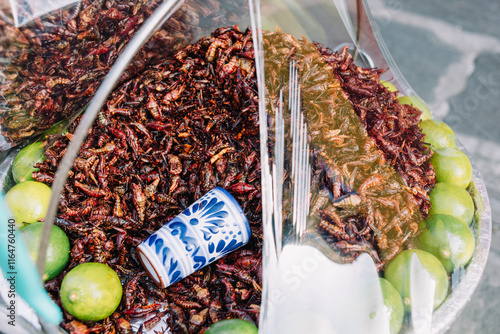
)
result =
(210, 228)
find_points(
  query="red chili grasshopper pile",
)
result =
(190, 123)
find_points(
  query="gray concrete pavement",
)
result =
(449, 51)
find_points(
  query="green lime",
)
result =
(57, 250)
(22, 167)
(28, 201)
(452, 166)
(437, 133)
(398, 273)
(450, 199)
(417, 103)
(394, 304)
(390, 87)
(449, 239)
(232, 326)
(91, 291)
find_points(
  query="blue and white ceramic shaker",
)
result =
(210, 228)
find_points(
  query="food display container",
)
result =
(115, 43)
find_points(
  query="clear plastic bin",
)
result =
(174, 25)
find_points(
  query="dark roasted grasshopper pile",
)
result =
(190, 123)
(165, 138)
